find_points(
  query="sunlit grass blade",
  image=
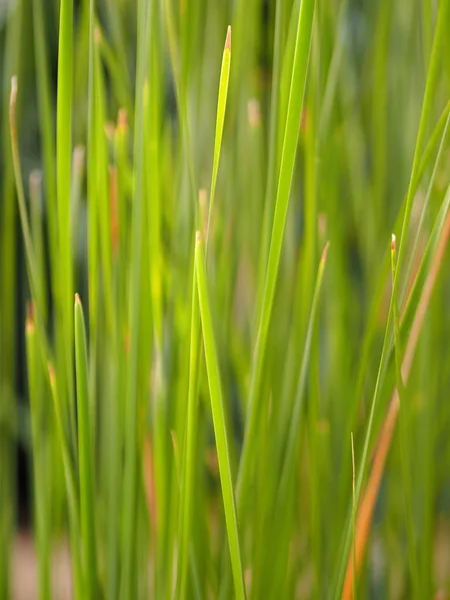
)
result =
(221, 106)
(218, 413)
(85, 457)
(195, 341)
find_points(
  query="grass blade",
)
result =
(85, 454)
(42, 524)
(63, 188)
(296, 95)
(404, 450)
(24, 221)
(71, 487)
(280, 546)
(443, 18)
(46, 112)
(195, 342)
(187, 496)
(131, 458)
(354, 582)
(367, 505)
(220, 118)
(220, 431)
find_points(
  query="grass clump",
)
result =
(200, 367)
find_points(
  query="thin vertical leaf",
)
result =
(296, 95)
(85, 457)
(218, 413)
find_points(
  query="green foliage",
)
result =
(192, 420)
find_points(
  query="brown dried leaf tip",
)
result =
(325, 252)
(122, 119)
(30, 316)
(228, 40)
(393, 242)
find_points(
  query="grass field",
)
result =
(224, 292)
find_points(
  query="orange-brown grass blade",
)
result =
(365, 512)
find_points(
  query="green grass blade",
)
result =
(180, 93)
(273, 154)
(354, 509)
(177, 139)
(422, 272)
(442, 22)
(24, 221)
(432, 80)
(296, 94)
(42, 524)
(131, 459)
(63, 189)
(220, 430)
(71, 488)
(221, 106)
(189, 474)
(85, 457)
(404, 442)
(93, 252)
(10, 61)
(436, 137)
(420, 227)
(292, 434)
(46, 119)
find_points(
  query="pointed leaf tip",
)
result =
(30, 315)
(393, 242)
(13, 89)
(198, 237)
(325, 252)
(51, 373)
(228, 40)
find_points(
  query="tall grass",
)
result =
(209, 390)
